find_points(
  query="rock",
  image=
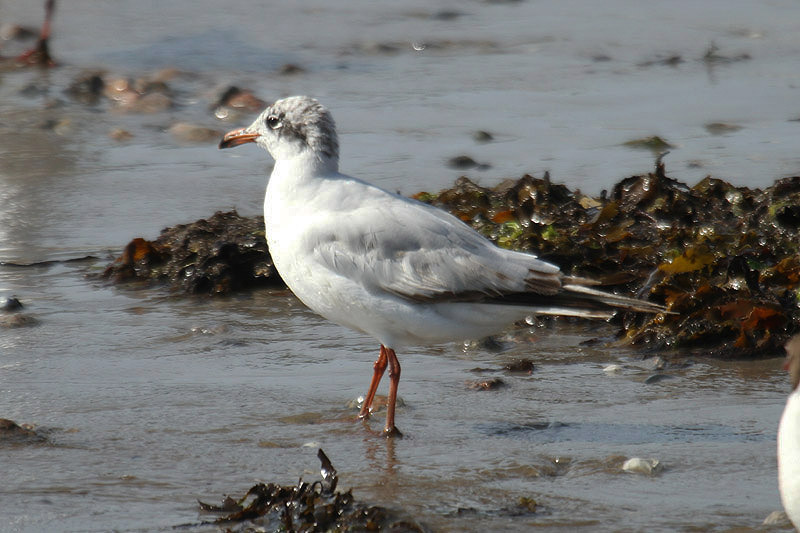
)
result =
(11, 304)
(13, 433)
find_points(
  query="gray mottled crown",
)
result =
(305, 120)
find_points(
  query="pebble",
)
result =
(9, 32)
(485, 384)
(656, 363)
(520, 366)
(17, 321)
(777, 518)
(637, 465)
(149, 103)
(463, 162)
(721, 128)
(290, 68)
(482, 136)
(217, 329)
(185, 132)
(655, 378)
(378, 403)
(240, 99)
(613, 369)
(88, 87)
(120, 135)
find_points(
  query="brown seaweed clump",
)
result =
(217, 255)
(723, 258)
(308, 507)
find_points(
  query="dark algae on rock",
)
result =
(217, 255)
(724, 259)
(309, 507)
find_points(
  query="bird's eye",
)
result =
(273, 122)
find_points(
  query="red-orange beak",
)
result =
(237, 137)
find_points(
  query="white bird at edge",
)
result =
(399, 270)
(789, 438)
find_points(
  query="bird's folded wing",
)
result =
(421, 253)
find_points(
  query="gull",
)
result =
(789, 438)
(399, 270)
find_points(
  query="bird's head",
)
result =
(297, 126)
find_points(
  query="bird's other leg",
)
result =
(378, 367)
(394, 379)
(40, 54)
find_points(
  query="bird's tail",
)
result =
(577, 299)
(599, 300)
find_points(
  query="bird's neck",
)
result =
(298, 177)
(305, 166)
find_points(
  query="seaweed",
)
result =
(307, 507)
(218, 255)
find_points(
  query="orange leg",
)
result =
(394, 379)
(378, 367)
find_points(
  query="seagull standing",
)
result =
(789, 438)
(399, 270)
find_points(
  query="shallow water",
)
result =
(151, 401)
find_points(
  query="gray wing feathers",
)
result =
(436, 258)
(421, 253)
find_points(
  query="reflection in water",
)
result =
(36, 178)
(381, 458)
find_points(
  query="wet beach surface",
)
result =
(142, 401)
